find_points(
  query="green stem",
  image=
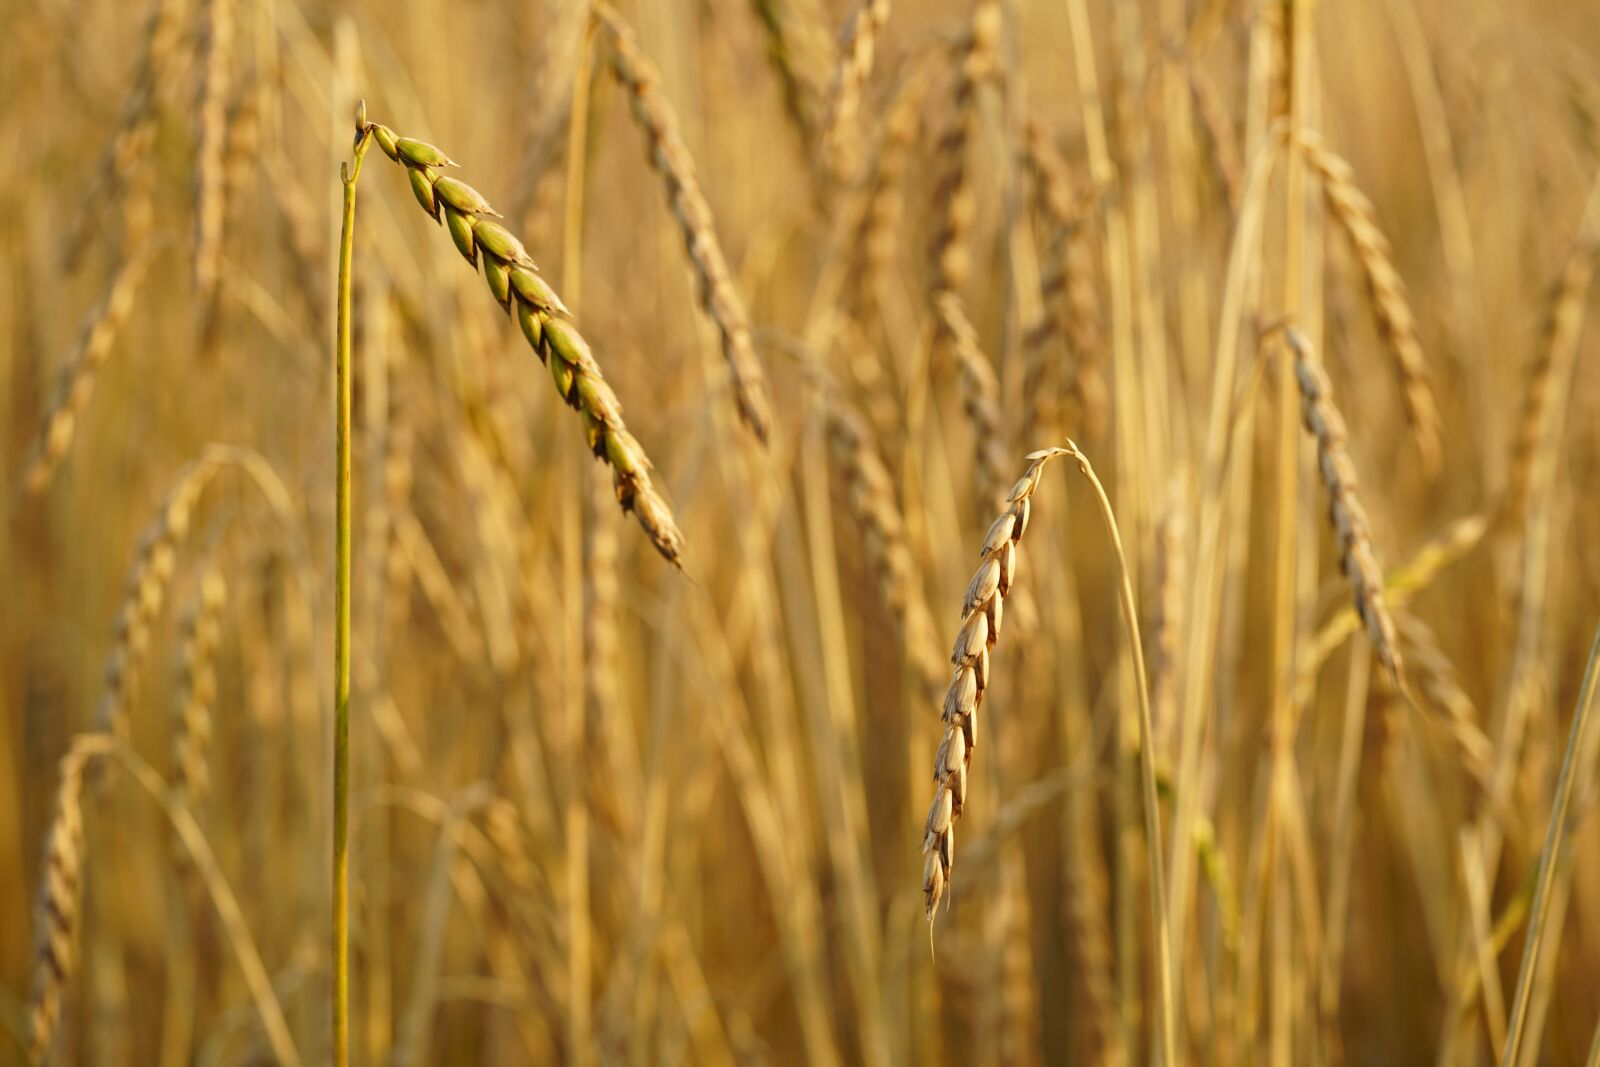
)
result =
(341, 612)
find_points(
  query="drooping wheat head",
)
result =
(982, 612)
(516, 284)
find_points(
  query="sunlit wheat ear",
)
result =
(955, 204)
(1071, 312)
(670, 157)
(519, 288)
(1390, 302)
(876, 235)
(982, 611)
(82, 369)
(841, 113)
(1348, 518)
(211, 136)
(870, 492)
(60, 892)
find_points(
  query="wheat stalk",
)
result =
(1390, 302)
(518, 287)
(982, 611)
(81, 370)
(672, 161)
(1348, 518)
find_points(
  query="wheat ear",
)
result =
(82, 368)
(520, 289)
(871, 495)
(191, 742)
(1345, 513)
(841, 111)
(1071, 311)
(671, 159)
(60, 890)
(954, 199)
(1390, 302)
(211, 137)
(980, 396)
(982, 610)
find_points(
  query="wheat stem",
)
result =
(348, 174)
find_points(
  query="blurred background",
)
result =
(607, 812)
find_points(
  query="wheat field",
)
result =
(1228, 363)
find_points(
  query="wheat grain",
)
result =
(982, 612)
(672, 161)
(518, 287)
(1345, 513)
(1390, 302)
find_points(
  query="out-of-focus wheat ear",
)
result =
(1439, 685)
(883, 195)
(1222, 141)
(135, 133)
(1550, 373)
(955, 204)
(81, 370)
(672, 161)
(1390, 303)
(1349, 519)
(519, 288)
(841, 113)
(870, 492)
(982, 612)
(148, 580)
(1070, 314)
(211, 136)
(59, 897)
(798, 52)
(1166, 617)
(980, 398)
(191, 741)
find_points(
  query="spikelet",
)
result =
(191, 741)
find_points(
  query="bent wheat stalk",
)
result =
(671, 159)
(520, 289)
